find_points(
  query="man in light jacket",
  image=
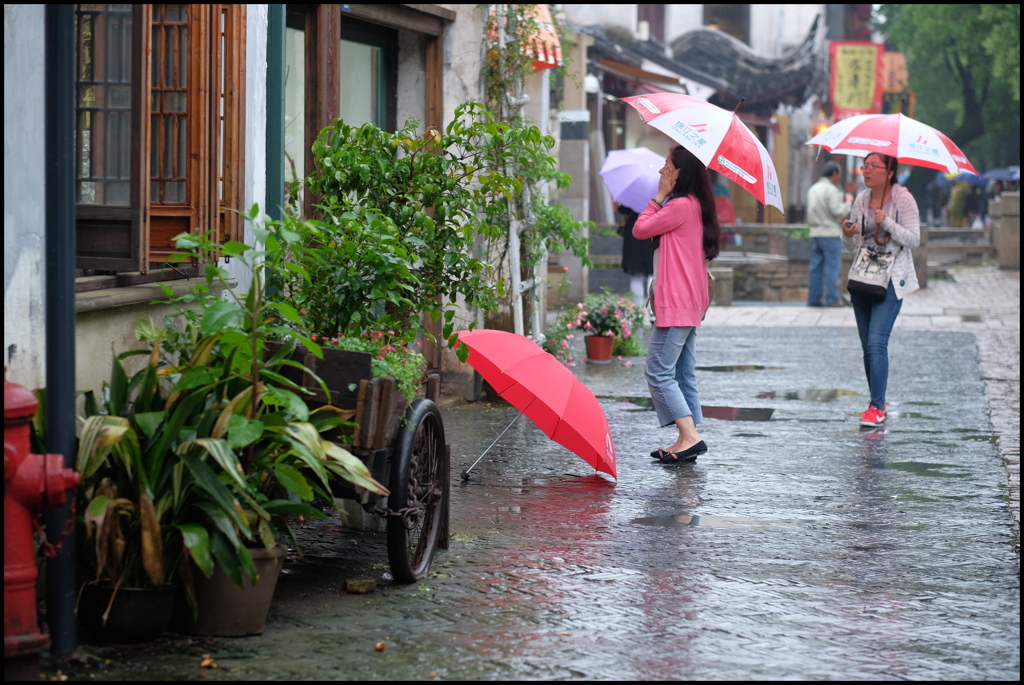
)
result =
(826, 207)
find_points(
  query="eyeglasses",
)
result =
(872, 166)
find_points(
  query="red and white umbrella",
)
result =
(895, 135)
(716, 137)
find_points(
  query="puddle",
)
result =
(737, 367)
(710, 412)
(811, 395)
(513, 510)
(737, 413)
(971, 318)
(915, 415)
(921, 468)
(698, 521)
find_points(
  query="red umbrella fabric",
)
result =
(716, 137)
(548, 393)
(908, 140)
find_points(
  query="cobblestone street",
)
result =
(798, 547)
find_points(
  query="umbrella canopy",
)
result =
(1001, 174)
(632, 176)
(548, 393)
(895, 135)
(716, 137)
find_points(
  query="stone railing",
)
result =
(1005, 229)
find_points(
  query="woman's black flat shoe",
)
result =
(689, 454)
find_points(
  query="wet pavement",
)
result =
(797, 547)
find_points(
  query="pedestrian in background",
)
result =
(885, 217)
(637, 256)
(682, 218)
(827, 204)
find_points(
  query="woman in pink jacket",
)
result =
(682, 220)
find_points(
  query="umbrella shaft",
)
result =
(493, 444)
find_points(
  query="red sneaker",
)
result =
(873, 416)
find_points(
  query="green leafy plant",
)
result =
(210, 448)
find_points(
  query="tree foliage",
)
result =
(964, 68)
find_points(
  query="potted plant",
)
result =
(603, 317)
(195, 463)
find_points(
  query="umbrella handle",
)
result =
(465, 474)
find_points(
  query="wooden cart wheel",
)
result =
(418, 483)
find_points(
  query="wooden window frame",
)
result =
(214, 187)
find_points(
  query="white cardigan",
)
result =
(907, 233)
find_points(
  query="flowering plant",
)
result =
(602, 313)
(606, 313)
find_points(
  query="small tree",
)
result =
(400, 219)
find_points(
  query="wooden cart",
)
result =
(402, 444)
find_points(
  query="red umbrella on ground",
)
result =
(543, 389)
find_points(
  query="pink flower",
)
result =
(565, 268)
(619, 358)
(565, 343)
(628, 364)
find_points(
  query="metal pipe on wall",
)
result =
(59, 410)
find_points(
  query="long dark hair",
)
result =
(694, 180)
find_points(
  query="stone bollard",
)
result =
(1006, 230)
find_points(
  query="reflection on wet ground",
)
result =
(736, 367)
(710, 412)
(813, 395)
(695, 520)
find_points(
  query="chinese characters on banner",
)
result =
(896, 96)
(856, 84)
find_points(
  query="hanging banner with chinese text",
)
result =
(856, 83)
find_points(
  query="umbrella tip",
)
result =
(737, 108)
(464, 475)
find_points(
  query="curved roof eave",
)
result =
(750, 75)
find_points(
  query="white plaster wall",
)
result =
(463, 40)
(605, 15)
(777, 29)
(24, 195)
(255, 183)
(412, 78)
(680, 19)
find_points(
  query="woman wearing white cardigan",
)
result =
(885, 217)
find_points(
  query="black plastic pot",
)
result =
(137, 616)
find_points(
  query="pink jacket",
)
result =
(681, 280)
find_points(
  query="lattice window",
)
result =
(160, 126)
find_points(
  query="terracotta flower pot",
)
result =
(599, 348)
(226, 610)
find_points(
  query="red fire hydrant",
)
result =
(32, 482)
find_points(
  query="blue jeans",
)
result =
(671, 373)
(826, 254)
(874, 324)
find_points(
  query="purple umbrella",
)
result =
(632, 176)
